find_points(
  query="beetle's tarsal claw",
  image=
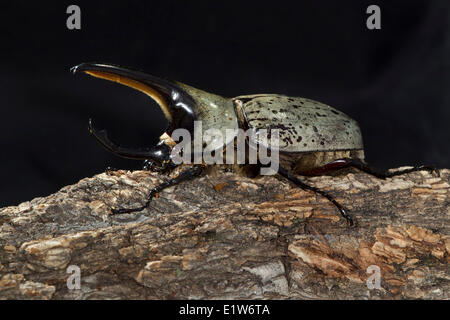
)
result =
(438, 172)
(110, 171)
(432, 169)
(342, 211)
(348, 218)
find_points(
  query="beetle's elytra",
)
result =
(313, 137)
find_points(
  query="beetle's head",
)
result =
(181, 104)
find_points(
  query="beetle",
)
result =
(314, 137)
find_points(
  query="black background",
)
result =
(393, 81)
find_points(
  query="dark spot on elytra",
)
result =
(315, 129)
(261, 119)
(299, 139)
(287, 140)
(322, 143)
(274, 111)
(335, 112)
(304, 144)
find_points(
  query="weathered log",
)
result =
(232, 237)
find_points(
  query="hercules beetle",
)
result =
(315, 138)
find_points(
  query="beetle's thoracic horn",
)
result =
(177, 105)
(181, 104)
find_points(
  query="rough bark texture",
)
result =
(231, 237)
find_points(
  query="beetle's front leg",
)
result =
(153, 166)
(148, 165)
(288, 175)
(188, 174)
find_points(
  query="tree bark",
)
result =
(231, 237)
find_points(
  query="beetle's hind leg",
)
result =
(288, 175)
(360, 165)
(188, 174)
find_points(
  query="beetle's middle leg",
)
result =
(185, 175)
(288, 175)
